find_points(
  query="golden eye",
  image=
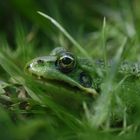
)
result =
(66, 63)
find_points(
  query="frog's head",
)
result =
(61, 66)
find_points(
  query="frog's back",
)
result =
(125, 67)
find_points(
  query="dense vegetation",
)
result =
(98, 30)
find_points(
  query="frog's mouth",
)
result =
(63, 84)
(46, 71)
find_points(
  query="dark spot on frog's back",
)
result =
(85, 80)
(133, 69)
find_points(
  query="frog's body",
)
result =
(63, 67)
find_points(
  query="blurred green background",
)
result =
(80, 17)
(29, 35)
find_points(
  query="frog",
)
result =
(65, 68)
(69, 70)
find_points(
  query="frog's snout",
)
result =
(27, 68)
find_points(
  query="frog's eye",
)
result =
(85, 79)
(66, 63)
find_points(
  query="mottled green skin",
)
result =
(49, 72)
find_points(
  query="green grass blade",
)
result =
(73, 41)
(104, 41)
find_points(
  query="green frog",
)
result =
(65, 68)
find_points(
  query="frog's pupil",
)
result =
(85, 80)
(66, 60)
(66, 63)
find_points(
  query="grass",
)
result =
(52, 112)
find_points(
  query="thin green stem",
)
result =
(73, 41)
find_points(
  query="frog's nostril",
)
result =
(40, 61)
(28, 67)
